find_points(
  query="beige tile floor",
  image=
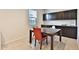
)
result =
(23, 44)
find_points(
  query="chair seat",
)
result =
(44, 35)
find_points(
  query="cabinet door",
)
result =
(60, 16)
(70, 32)
(66, 13)
(52, 16)
(44, 17)
(49, 16)
(71, 14)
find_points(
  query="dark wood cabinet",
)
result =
(49, 16)
(52, 16)
(71, 14)
(60, 15)
(44, 17)
(68, 31)
(63, 15)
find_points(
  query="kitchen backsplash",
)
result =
(61, 22)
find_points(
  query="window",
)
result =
(32, 17)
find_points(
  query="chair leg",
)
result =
(46, 41)
(35, 42)
(40, 45)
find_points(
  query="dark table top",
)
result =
(50, 31)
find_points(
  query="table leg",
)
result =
(60, 35)
(51, 42)
(30, 37)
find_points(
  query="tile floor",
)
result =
(23, 44)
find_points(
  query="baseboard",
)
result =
(16, 38)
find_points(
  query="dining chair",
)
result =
(39, 36)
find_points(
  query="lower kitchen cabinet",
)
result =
(68, 31)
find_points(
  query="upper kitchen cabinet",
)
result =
(71, 14)
(60, 15)
(49, 16)
(44, 17)
(63, 15)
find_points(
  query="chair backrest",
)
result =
(37, 33)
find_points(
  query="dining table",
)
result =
(49, 32)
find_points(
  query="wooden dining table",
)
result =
(49, 32)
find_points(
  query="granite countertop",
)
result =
(61, 25)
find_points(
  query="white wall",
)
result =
(59, 22)
(13, 24)
(40, 17)
(0, 41)
(78, 26)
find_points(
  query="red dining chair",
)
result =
(39, 36)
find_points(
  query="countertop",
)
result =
(60, 25)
